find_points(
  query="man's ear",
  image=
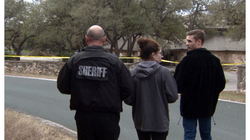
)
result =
(104, 39)
(199, 42)
(87, 38)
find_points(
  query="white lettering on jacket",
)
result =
(92, 71)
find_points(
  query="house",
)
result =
(124, 49)
(228, 51)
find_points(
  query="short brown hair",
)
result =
(147, 46)
(198, 34)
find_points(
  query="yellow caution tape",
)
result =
(232, 64)
(168, 61)
(129, 57)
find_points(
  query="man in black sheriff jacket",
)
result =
(200, 79)
(97, 81)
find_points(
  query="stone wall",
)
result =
(241, 78)
(38, 67)
(33, 67)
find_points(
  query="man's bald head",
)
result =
(95, 33)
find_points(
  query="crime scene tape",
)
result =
(232, 64)
(168, 61)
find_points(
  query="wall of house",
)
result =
(230, 56)
(176, 55)
(224, 56)
(124, 53)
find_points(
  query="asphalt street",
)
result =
(231, 81)
(39, 97)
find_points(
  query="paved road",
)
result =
(231, 81)
(41, 98)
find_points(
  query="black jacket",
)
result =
(96, 79)
(200, 79)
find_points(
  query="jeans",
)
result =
(190, 128)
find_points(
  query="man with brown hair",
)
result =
(200, 79)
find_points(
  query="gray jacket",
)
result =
(154, 88)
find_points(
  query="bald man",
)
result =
(97, 81)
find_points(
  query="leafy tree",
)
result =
(17, 25)
(163, 19)
(127, 24)
(215, 16)
(197, 15)
(230, 14)
(59, 27)
(119, 18)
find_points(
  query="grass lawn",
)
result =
(233, 96)
(19, 126)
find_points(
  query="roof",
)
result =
(221, 43)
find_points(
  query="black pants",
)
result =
(154, 135)
(97, 125)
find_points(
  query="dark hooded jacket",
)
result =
(200, 79)
(97, 80)
(154, 88)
